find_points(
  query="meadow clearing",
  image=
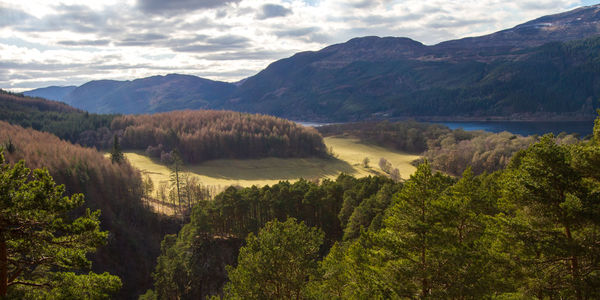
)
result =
(349, 154)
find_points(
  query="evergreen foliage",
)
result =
(276, 263)
(527, 231)
(116, 154)
(57, 118)
(42, 243)
(115, 189)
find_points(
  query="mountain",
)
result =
(545, 68)
(541, 67)
(148, 95)
(56, 93)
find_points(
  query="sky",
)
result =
(71, 42)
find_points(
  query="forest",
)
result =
(525, 231)
(510, 217)
(446, 150)
(203, 135)
(114, 189)
(66, 122)
(195, 136)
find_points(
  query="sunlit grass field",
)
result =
(225, 172)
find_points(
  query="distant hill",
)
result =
(549, 65)
(58, 118)
(149, 95)
(546, 68)
(56, 93)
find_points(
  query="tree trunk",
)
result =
(3, 269)
(574, 267)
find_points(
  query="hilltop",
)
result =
(544, 68)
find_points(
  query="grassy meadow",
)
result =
(222, 173)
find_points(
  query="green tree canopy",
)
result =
(42, 243)
(116, 154)
(276, 263)
(550, 193)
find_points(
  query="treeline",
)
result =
(449, 151)
(527, 231)
(60, 119)
(115, 189)
(409, 136)
(482, 151)
(195, 136)
(341, 208)
(203, 135)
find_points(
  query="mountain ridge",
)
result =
(495, 75)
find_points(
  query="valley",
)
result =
(221, 173)
(460, 169)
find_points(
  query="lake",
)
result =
(583, 128)
(525, 128)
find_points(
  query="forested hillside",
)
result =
(60, 119)
(526, 231)
(449, 151)
(115, 189)
(204, 135)
(335, 206)
(358, 80)
(545, 68)
(195, 135)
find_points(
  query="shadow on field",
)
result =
(272, 168)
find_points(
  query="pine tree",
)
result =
(176, 178)
(276, 263)
(40, 242)
(550, 193)
(116, 154)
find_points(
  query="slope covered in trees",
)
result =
(218, 227)
(409, 136)
(115, 189)
(60, 119)
(545, 67)
(526, 231)
(449, 151)
(203, 135)
(195, 135)
(43, 243)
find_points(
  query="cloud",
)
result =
(221, 43)
(268, 11)
(74, 18)
(144, 39)
(85, 43)
(166, 7)
(307, 34)
(245, 55)
(56, 41)
(450, 22)
(10, 17)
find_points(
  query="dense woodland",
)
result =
(554, 79)
(203, 135)
(340, 208)
(195, 135)
(519, 221)
(526, 231)
(449, 151)
(115, 189)
(64, 121)
(408, 136)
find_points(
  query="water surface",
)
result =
(583, 128)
